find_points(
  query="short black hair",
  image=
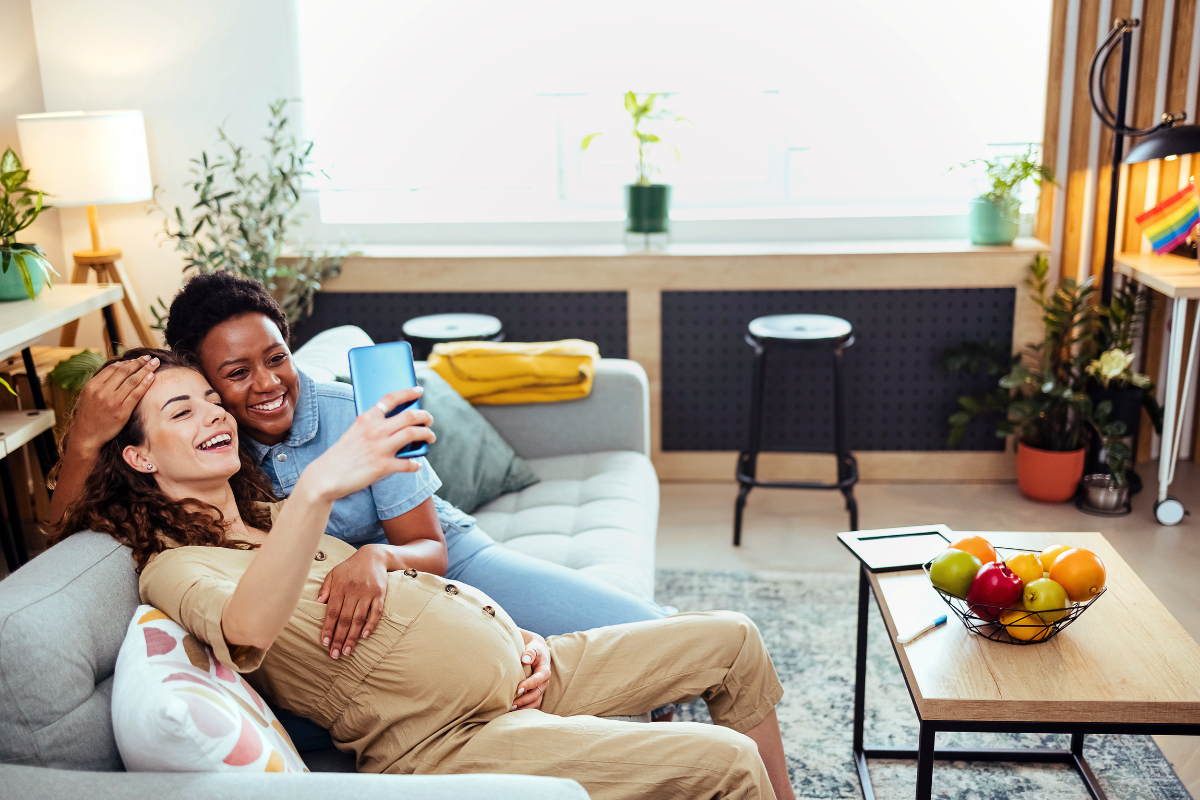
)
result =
(209, 299)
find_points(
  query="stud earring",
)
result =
(149, 468)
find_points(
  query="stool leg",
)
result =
(15, 551)
(840, 439)
(747, 467)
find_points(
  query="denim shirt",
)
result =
(324, 411)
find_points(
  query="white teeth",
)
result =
(271, 406)
(220, 438)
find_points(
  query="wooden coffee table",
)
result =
(1124, 666)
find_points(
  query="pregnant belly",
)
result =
(457, 663)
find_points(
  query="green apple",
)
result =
(952, 571)
(1047, 599)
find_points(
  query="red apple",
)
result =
(994, 589)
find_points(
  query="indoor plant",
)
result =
(245, 218)
(24, 269)
(1042, 400)
(647, 204)
(995, 214)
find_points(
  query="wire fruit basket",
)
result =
(1029, 628)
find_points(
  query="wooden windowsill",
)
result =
(693, 250)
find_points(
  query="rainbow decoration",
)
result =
(1169, 223)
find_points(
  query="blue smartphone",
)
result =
(382, 369)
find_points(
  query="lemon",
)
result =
(1051, 553)
(1024, 625)
(1025, 566)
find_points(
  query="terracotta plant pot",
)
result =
(1048, 476)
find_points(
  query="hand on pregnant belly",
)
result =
(353, 592)
(537, 657)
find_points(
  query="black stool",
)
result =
(796, 331)
(424, 332)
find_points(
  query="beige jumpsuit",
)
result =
(429, 691)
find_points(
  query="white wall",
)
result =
(189, 67)
(21, 93)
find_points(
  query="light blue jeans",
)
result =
(541, 597)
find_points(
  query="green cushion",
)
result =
(474, 462)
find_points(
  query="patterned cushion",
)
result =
(597, 513)
(177, 709)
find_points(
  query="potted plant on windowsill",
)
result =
(24, 269)
(1042, 401)
(994, 215)
(647, 204)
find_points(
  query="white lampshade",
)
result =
(87, 159)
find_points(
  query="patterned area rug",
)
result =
(808, 621)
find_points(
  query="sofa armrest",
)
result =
(615, 416)
(40, 783)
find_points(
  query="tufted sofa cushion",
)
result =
(62, 620)
(594, 512)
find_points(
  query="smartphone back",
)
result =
(379, 370)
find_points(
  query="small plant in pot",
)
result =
(1042, 399)
(1113, 377)
(647, 204)
(995, 215)
(24, 269)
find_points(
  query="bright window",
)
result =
(472, 110)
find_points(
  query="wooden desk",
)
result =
(1124, 666)
(1178, 278)
(24, 321)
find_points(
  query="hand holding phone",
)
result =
(379, 370)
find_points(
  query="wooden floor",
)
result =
(789, 530)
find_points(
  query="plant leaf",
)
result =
(72, 373)
(587, 140)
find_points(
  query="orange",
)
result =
(1080, 572)
(978, 547)
(1023, 625)
(1051, 553)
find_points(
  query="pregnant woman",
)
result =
(238, 334)
(431, 688)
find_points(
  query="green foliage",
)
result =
(19, 207)
(642, 111)
(1043, 399)
(1006, 174)
(244, 216)
(72, 373)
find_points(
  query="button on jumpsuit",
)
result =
(429, 691)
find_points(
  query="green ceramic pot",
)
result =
(647, 208)
(12, 285)
(991, 224)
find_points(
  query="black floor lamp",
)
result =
(1162, 139)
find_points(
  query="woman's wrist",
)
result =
(312, 491)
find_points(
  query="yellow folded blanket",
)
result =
(499, 373)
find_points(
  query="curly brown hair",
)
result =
(129, 506)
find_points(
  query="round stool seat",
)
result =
(452, 327)
(801, 329)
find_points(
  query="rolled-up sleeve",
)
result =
(194, 595)
(400, 493)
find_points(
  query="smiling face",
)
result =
(190, 441)
(247, 360)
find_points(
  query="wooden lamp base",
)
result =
(107, 266)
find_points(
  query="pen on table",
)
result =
(936, 622)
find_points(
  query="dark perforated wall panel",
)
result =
(897, 396)
(598, 317)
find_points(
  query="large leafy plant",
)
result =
(19, 207)
(1006, 174)
(245, 211)
(641, 112)
(1042, 399)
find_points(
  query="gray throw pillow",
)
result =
(474, 462)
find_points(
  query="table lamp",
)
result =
(90, 159)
